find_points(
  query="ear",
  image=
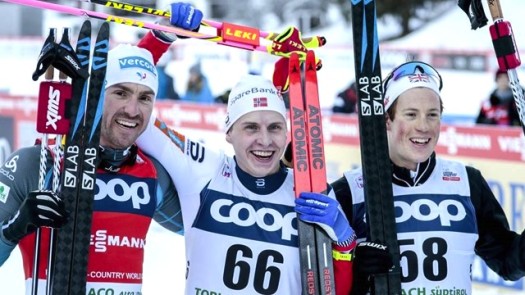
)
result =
(228, 137)
(388, 123)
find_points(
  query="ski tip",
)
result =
(86, 25)
(294, 62)
(310, 60)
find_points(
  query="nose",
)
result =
(264, 138)
(423, 124)
(131, 107)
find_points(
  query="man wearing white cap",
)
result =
(445, 211)
(132, 188)
(240, 212)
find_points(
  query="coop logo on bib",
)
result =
(244, 218)
(434, 212)
(132, 195)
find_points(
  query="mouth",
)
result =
(263, 155)
(126, 124)
(420, 141)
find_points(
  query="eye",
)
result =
(410, 114)
(275, 127)
(251, 127)
(146, 98)
(434, 115)
(121, 93)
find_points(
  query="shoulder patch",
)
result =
(4, 192)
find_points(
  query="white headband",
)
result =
(396, 87)
(253, 93)
(131, 64)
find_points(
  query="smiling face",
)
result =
(258, 139)
(127, 110)
(413, 131)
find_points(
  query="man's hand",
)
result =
(40, 208)
(369, 259)
(327, 213)
(184, 16)
(283, 45)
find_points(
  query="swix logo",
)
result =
(372, 245)
(278, 221)
(53, 102)
(72, 62)
(121, 191)
(446, 211)
(101, 240)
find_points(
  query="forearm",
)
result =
(154, 45)
(5, 249)
(343, 274)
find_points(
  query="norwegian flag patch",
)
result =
(260, 102)
(418, 78)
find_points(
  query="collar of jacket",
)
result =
(402, 176)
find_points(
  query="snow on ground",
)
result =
(164, 266)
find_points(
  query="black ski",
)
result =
(69, 273)
(375, 159)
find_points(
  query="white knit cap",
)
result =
(131, 64)
(396, 87)
(253, 93)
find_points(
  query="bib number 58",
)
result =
(434, 262)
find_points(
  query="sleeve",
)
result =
(154, 45)
(168, 213)
(19, 176)
(342, 255)
(343, 196)
(189, 163)
(502, 249)
(343, 272)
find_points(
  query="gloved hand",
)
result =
(283, 45)
(184, 16)
(369, 258)
(40, 208)
(327, 213)
(475, 12)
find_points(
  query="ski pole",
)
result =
(237, 36)
(50, 119)
(507, 54)
(165, 13)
